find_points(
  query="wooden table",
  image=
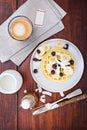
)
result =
(70, 117)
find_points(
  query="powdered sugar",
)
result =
(43, 93)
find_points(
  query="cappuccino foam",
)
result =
(21, 29)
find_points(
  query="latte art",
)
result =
(20, 28)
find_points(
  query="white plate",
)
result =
(59, 86)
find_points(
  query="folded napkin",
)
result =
(17, 51)
(21, 56)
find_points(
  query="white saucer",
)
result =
(65, 85)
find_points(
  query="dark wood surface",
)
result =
(70, 117)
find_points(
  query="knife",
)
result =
(49, 106)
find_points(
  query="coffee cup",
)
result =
(10, 81)
(20, 28)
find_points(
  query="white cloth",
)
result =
(17, 51)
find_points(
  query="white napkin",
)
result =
(21, 56)
(28, 9)
(17, 51)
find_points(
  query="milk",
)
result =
(10, 81)
(7, 82)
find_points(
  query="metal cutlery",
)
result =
(48, 106)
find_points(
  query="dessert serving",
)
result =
(57, 65)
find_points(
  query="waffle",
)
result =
(57, 64)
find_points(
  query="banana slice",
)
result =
(40, 51)
(46, 47)
(65, 57)
(52, 60)
(55, 76)
(68, 70)
(38, 56)
(59, 44)
(49, 68)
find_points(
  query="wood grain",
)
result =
(69, 117)
(8, 103)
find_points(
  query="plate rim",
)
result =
(73, 45)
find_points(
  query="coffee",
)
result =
(20, 28)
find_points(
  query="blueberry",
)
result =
(71, 62)
(38, 51)
(61, 74)
(59, 65)
(54, 66)
(53, 53)
(35, 59)
(66, 46)
(52, 71)
(35, 71)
